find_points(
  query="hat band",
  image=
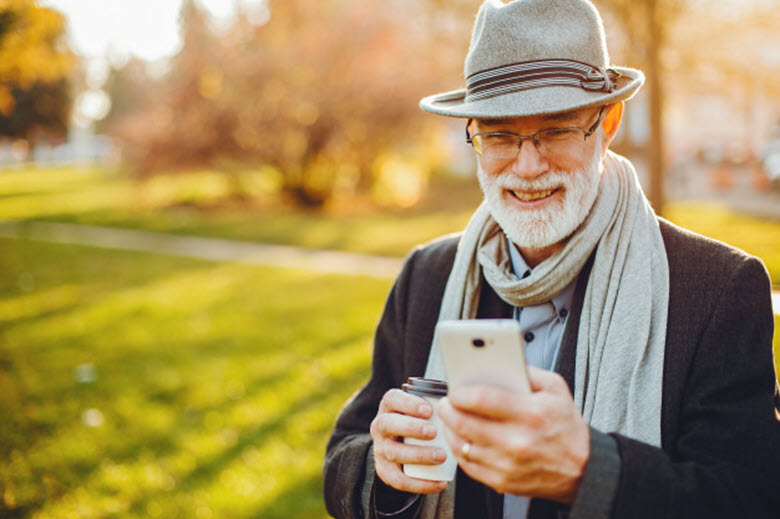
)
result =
(516, 77)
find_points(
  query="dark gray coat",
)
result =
(720, 454)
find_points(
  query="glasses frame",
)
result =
(533, 137)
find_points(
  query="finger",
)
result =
(495, 438)
(473, 457)
(394, 477)
(486, 475)
(462, 426)
(479, 459)
(479, 433)
(397, 401)
(468, 452)
(394, 424)
(546, 381)
(402, 454)
(487, 401)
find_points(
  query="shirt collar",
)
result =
(562, 300)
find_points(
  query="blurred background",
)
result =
(203, 204)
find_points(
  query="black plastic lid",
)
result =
(425, 387)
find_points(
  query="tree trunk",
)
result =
(655, 153)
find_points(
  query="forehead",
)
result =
(573, 117)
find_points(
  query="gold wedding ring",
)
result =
(465, 449)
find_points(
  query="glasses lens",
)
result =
(476, 142)
(497, 146)
(559, 140)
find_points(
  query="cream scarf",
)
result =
(622, 331)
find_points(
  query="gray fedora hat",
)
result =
(531, 57)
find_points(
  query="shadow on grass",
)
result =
(167, 442)
(288, 502)
(22, 256)
(22, 194)
(242, 346)
(6, 324)
(302, 501)
(18, 512)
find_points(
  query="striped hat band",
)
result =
(535, 74)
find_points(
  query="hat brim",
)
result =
(538, 101)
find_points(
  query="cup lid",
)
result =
(425, 387)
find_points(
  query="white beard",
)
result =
(538, 228)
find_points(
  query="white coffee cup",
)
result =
(431, 390)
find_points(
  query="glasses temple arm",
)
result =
(596, 124)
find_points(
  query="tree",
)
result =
(336, 83)
(646, 25)
(42, 109)
(34, 67)
(318, 92)
(178, 121)
(688, 47)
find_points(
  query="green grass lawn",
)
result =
(194, 204)
(136, 385)
(200, 204)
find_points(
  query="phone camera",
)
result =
(478, 343)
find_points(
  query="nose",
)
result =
(528, 163)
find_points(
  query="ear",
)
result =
(611, 123)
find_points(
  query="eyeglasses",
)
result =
(550, 141)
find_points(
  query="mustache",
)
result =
(548, 181)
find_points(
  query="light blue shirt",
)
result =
(543, 327)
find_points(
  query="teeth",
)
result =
(529, 197)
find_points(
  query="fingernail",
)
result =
(422, 409)
(429, 430)
(439, 455)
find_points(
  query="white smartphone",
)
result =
(483, 351)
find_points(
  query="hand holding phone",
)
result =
(484, 424)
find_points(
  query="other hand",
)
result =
(402, 415)
(534, 444)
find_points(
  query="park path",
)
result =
(216, 249)
(204, 248)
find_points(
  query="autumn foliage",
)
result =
(318, 91)
(35, 65)
(324, 91)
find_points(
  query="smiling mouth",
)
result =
(531, 197)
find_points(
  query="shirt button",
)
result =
(529, 336)
(563, 313)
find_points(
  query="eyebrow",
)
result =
(492, 122)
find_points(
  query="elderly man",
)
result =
(653, 388)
